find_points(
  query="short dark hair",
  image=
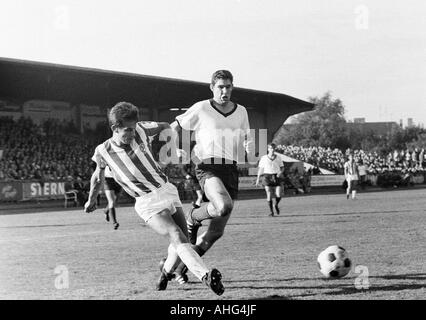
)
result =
(123, 111)
(222, 74)
(273, 145)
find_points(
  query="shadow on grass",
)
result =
(46, 225)
(357, 213)
(408, 276)
(272, 221)
(379, 288)
(338, 289)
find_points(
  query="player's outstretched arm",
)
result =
(96, 182)
(259, 173)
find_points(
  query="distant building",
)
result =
(410, 122)
(359, 120)
(377, 128)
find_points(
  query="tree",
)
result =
(324, 126)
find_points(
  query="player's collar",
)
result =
(222, 113)
(273, 157)
(123, 146)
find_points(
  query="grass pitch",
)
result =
(260, 257)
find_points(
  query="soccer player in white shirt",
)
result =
(270, 169)
(351, 175)
(222, 135)
(128, 155)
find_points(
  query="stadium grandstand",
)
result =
(52, 116)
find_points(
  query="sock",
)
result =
(353, 194)
(181, 265)
(199, 250)
(277, 200)
(201, 214)
(192, 260)
(270, 205)
(172, 260)
(112, 215)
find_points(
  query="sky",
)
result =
(370, 54)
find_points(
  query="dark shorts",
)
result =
(270, 180)
(112, 185)
(226, 172)
(354, 185)
(194, 184)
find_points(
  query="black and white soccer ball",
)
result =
(334, 262)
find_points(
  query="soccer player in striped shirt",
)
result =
(128, 156)
(351, 175)
(222, 135)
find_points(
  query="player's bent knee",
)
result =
(225, 209)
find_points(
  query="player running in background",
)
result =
(222, 135)
(112, 190)
(157, 201)
(351, 175)
(192, 183)
(270, 168)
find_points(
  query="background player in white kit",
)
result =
(270, 169)
(222, 135)
(128, 155)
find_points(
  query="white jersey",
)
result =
(362, 170)
(271, 166)
(133, 166)
(351, 170)
(218, 135)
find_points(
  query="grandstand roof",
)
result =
(38, 80)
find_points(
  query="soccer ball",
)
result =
(334, 262)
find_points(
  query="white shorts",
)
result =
(166, 197)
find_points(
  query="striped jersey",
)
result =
(351, 170)
(133, 166)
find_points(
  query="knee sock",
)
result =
(112, 215)
(192, 260)
(201, 214)
(172, 260)
(181, 266)
(277, 200)
(270, 205)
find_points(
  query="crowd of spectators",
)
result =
(399, 161)
(319, 157)
(51, 151)
(56, 150)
